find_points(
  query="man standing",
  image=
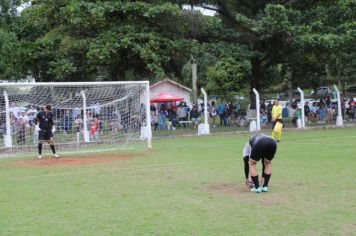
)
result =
(221, 111)
(44, 124)
(259, 147)
(276, 117)
(182, 114)
(195, 117)
(307, 112)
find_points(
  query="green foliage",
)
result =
(75, 40)
(113, 38)
(8, 55)
(61, 69)
(228, 76)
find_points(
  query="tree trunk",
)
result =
(257, 75)
(255, 82)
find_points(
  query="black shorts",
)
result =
(264, 148)
(45, 135)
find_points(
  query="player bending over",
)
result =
(245, 157)
(44, 124)
(259, 147)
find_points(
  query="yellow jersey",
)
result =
(277, 112)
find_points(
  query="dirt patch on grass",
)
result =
(237, 189)
(349, 230)
(75, 160)
(228, 188)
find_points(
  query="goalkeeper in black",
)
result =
(45, 127)
(259, 147)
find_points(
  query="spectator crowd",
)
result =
(321, 111)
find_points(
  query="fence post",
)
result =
(339, 118)
(148, 117)
(302, 106)
(204, 128)
(258, 121)
(85, 118)
(7, 135)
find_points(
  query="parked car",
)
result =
(323, 91)
(309, 100)
(268, 101)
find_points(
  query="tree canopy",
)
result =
(245, 44)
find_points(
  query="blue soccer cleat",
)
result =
(265, 189)
(256, 190)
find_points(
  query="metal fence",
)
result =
(253, 112)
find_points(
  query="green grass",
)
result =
(168, 191)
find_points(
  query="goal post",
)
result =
(87, 115)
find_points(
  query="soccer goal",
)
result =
(90, 116)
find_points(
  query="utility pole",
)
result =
(194, 80)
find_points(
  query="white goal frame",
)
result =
(146, 131)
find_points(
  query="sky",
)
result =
(204, 11)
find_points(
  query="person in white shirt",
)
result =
(15, 110)
(182, 114)
(31, 114)
(24, 118)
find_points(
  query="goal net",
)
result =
(89, 116)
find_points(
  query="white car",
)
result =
(282, 103)
(268, 101)
(323, 91)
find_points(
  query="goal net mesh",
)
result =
(87, 117)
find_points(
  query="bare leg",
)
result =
(252, 167)
(253, 173)
(268, 167)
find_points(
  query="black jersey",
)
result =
(257, 137)
(45, 120)
(262, 146)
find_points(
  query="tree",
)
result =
(280, 32)
(228, 76)
(110, 40)
(8, 55)
(9, 45)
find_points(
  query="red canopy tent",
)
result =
(166, 97)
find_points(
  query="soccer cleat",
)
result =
(256, 190)
(265, 189)
(55, 156)
(39, 156)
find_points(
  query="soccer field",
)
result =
(186, 186)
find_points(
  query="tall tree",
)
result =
(284, 32)
(110, 40)
(9, 44)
